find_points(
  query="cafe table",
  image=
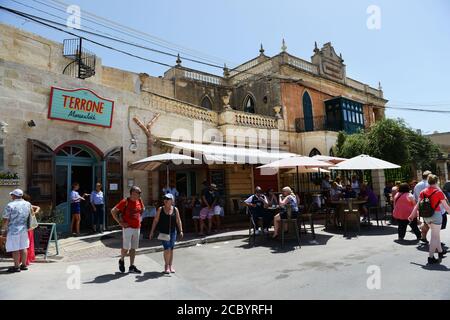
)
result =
(345, 204)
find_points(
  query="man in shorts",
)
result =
(16, 219)
(209, 202)
(131, 210)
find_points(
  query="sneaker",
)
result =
(424, 240)
(433, 260)
(122, 265)
(23, 267)
(172, 270)
(13, 269)
(133, 269)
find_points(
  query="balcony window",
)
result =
(352, 118)
(249, 105)
(308, 112)
(206, 103)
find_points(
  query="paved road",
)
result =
(332, 268)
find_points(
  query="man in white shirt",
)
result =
(422, 185)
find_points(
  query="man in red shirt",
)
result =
(130, 210)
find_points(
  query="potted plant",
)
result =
(9, 179)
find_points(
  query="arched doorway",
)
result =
(82, 164)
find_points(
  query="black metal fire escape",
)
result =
(83, 64)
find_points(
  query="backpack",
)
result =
(126, 206)
(425, 208)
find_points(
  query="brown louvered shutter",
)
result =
(41, 174)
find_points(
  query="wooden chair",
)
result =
(347, 217)
(288, 221)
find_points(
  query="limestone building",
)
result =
(64, 121)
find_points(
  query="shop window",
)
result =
(2, 157)
(207, 103)
(249, 105)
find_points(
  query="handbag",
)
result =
(166, 236)
(33, 223)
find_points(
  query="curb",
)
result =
(194, 242)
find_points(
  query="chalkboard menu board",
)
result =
(218, 178)
(43, 234)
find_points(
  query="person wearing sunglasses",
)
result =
(167, 220)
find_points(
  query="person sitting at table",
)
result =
(288, 198)
(335, 193)
(370, 197)
(388, 189)
(272, 198)
(339, 184)
(326, 186)
(349, 192)
(258, 204)
(355, 184)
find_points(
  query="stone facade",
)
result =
(30, 65)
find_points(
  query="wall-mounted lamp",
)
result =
(133, 144)
(31, 124)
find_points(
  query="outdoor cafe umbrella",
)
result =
(331, 159)
(364, 162)
(153, 162)
(299, 162)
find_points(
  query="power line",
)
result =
(160, 42)
(117, 39)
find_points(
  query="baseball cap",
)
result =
(168, 196)
(17, 193)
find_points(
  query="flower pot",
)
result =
(9, 182)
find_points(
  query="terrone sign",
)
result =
(80, 106)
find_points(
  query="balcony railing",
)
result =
(316, 124)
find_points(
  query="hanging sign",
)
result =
(80, 106)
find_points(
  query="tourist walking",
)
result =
(16, 222)
(422, 185)
(404, 205)
(167, 220)
(131, 210)
(437, 200)
(98, 208)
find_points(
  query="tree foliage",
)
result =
(390, 140)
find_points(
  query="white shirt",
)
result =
(419, 188)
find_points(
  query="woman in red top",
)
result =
(404, 205)
(30, 251)
(437, 199)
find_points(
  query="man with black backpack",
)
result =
(431, 200)
(131, 210)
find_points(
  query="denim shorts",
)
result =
(75, 208)
(436, 218)
(169, 245)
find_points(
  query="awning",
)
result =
(215, 153)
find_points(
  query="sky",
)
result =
(404, 44)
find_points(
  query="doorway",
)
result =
(76, 164)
